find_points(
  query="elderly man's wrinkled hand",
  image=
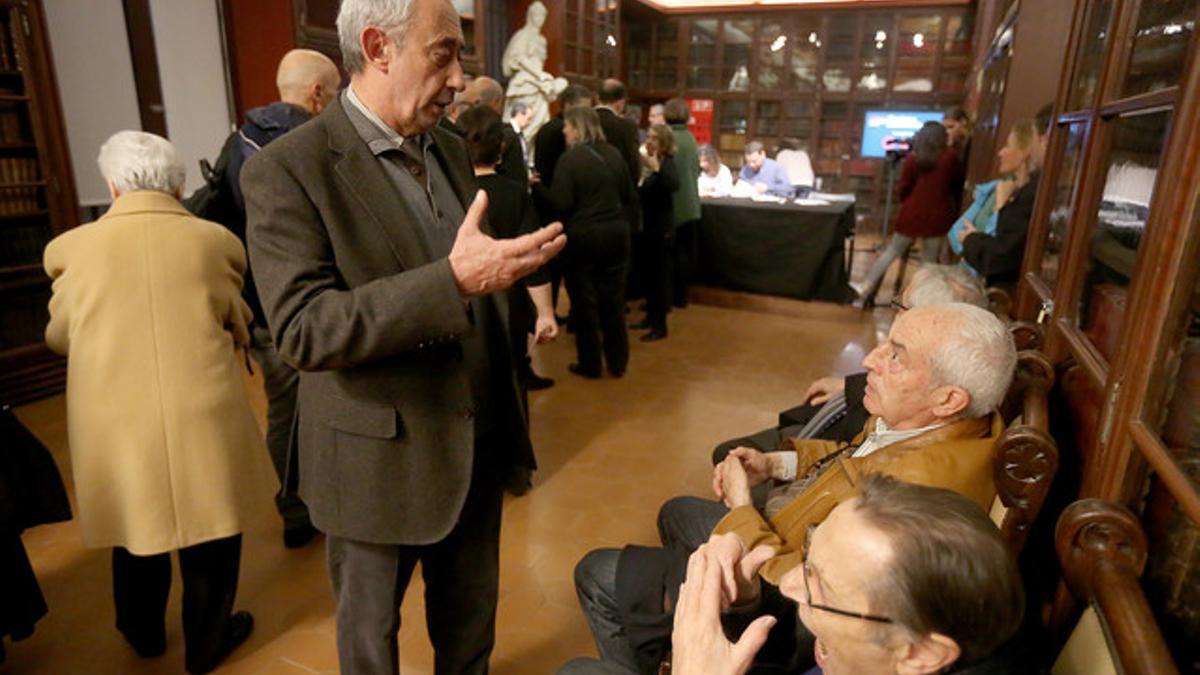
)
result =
(735, 486)
(482, 265)
(755, 464)
(739, 569)
(823, 389)
(698, 642)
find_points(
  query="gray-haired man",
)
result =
(376, 280)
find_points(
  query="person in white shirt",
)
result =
(714, 180)
(796, 164)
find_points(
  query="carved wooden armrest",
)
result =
(1026, 456)
(1102, 549)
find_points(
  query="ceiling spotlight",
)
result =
(779, 43)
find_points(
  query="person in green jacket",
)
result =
(687, 198)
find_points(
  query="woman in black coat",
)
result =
(593, 192)
(658, 217)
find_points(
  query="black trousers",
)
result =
(461, 574)
(597, 260)
(658, 253)
(687, 255)
(141, 585)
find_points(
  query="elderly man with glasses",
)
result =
(901, 579)
(932, 387)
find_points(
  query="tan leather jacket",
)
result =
(957, 456)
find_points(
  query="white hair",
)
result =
(941, 284)
(976, 352)
(136, 160)
(355, 15)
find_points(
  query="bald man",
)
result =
(513, 164)
(307, 81)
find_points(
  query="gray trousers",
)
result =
(281, 382)
(930, 248)
(596, 586)
(461, 574)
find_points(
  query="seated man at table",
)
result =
(764, 174)
(950, 601)
(931, 388)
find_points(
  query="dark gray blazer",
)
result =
(357, 303)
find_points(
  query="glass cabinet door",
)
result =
(1060, 213)
(916, 52)
(770, 52)
(956, 55)
(737, 35)
(1091, 55)
(839, 52)
(1120, 223)
(805, 52)
(702, 55)
(875, 52)
(1160, 42)
(666, 55)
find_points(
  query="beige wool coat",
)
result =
(147, 307)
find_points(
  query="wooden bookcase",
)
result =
(37, 201)
(805, 76)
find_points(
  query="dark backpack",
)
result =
(215, 200)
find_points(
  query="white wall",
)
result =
(95, 82)
(187, 37)
(95, 77)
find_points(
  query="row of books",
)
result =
(12, 127)
(15, 198)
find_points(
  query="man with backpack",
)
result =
(307, 81)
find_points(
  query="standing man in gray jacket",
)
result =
(376, 272)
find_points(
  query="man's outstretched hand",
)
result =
(482, 265)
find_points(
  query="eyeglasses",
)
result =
(804, 572)
(898, 306)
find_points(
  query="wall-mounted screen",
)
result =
(885, 130)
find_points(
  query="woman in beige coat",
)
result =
(165, 450)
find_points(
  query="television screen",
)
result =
(885, 130)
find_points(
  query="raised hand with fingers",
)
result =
(698, 642)
(481, 264)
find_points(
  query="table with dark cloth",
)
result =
(776, 249)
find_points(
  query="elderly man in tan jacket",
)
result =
(932, 389)
(165, 450)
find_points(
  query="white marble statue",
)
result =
(522, 63)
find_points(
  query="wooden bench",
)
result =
(1102, 549)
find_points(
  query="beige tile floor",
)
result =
(610, 451)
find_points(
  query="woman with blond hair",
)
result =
(992, 232)
(593, 192)
(166, 453)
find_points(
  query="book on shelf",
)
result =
(18, 195)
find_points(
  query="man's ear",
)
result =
(930, 654)
(949, 400)
(376, 47)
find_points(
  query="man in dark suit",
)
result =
(549, 143)
(620, 133)
(376, 279)
(487, 92)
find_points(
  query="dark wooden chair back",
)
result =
(1102, 549)
(1026, 456)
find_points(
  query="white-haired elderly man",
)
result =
(932, 387)
(377, 274)
(166, 453)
